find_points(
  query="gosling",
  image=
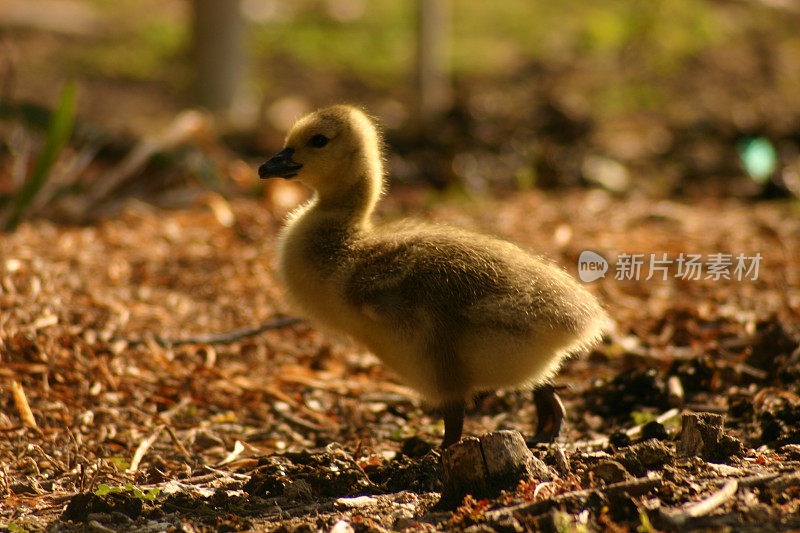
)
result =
(450, 311)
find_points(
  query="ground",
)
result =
(613, 127)
(294, 430)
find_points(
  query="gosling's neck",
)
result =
(349, 207)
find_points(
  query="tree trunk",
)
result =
(434, 92)
(218, 52)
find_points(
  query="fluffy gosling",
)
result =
(450, 311)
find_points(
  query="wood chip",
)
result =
(238, 448)
(21, 402)
(675, 391)
(142, 449)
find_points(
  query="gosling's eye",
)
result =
(318, 141)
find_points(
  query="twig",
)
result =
(672, 413)
(142, 449)
(785, 481)
(196, 480)
(319, 417)
(751, 481)
(677, 519)
(634, 487)
(186, 126)
(323, 507)
(178, 444)
(43, 322)
(219, 338)
(305, 424)
(675, 390)
(23, 408)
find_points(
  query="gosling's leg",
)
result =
(551, 413)
(453, 422)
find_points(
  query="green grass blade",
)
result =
(58, 134)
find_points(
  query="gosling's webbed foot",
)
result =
(453, 422)
(551, 413)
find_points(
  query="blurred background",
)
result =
(166, 100)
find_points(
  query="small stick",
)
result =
(221, 338)
(672, 413)
(634, 487)
(142, 449)
(186, 126)
(755, 480)
(178, 444)
(783, 482)
(196, 480)
(319, 417)
(24, 409)
(296, 420)
(678, 518)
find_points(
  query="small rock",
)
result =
(342, 526)
(403, 522)
(654, 430)
(727, 447)
(507, 456)
(415, 447)
(631, 463)
(507, 524)
(82, 505)
(724, 470)
(792, 451)
(357, 502)
(153, 526)
(96, 526)
(464, 469)
(606, 172)
(758, 512)
(619, 439)
(480, 528)
(298, 490)
(652, 453)
(556, 454)
(403, 517)
(772, 429)
(99, 517)
(121, 518)
(610, 472)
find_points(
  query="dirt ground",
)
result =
(103, 428)
(109, 421)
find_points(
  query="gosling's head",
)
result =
(330, 150)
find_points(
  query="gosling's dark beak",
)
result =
(280, 166)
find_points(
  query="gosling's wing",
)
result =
(461, 280)
(413, 278)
